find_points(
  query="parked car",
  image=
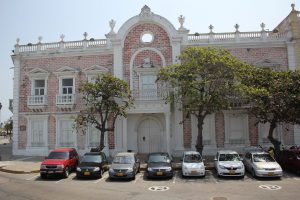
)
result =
(159, 165)
(192, 164)
(59, 161)
(124, 165)
(229, 163)
(289, 159)
(261, 164)
(92, 164)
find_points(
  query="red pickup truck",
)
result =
(60, 161)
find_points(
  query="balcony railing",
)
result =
(65, 99)
(150, 94)
(37, 100)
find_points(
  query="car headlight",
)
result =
(60, 166)
(201, 166)
(222, 167)
(279, 168)
(96, 169)
(240, 167)
(150, 169)
(43, 166)
(168, 169)
(259, 168)
(129, 170)
(185, 168)
(111, 170)
(78, 169)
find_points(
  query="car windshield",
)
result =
(192, 158)
(158, 158)
(123, 160)
(58, 155)
(229, 157)
(262, 158)
(91, 158)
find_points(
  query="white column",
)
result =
(175, 50)
(178, 130)
(16, 89)
(125, 148)
(118, 58)
(168, 130)
(291, 55)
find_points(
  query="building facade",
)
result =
(47, 76)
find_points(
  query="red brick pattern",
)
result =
(187, 132)
(253, 130)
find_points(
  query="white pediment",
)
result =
(95, 69)
(65, 71)
(38, 73)
(267, 63)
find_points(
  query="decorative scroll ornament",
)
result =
(236, 26)
(146, 12)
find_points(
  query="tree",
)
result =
(203, 83)
(8, 126)
(105, 99)
(275, 97)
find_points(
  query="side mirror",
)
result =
(215, 159)
(242, 159)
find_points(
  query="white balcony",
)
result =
(65, 100)
(37, 100)
(150, 94)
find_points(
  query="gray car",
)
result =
(124, 165)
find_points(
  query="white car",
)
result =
(261, 164)
(192, 164)
(229, 163)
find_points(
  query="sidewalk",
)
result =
(26, 164)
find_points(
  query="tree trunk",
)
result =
(101, 146)
(199, 144)
(274, 141)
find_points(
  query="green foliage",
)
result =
(204, 82)
(106, 98)
(275, 97)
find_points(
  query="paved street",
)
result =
(30, 186)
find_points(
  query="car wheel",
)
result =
(43, 176)
(66, 172)
(253, 173)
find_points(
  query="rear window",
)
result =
(92, 158)
(192, 158)
(123, 160)
(159, 158)
(59, 155)
(229, 157)
(262, 158)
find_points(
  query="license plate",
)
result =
(50, 172)
(159, 173)
(271, 174)
(86, 173)
(231, 172)
(194, 171)
(119, 174)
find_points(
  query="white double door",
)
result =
(149, 137)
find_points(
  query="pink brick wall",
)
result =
(220, 129)
(253, 130)
(187, 132)
(132, 43)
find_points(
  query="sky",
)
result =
(29, 19)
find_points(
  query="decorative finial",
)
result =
(40, 39)
(112, 24)
(262, 25)
(85, 34)
(181, 20)
(146, 12)
(236, 26)
(293, 6)
(211, 27)
(62, 36)
(18, 40)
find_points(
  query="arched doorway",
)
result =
(149, 136)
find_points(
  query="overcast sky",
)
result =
(28, 19)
